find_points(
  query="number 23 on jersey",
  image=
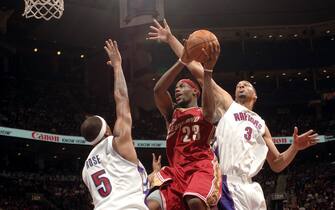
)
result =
(191, 133)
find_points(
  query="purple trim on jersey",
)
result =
(140, 169)
(216, 152)
(145, 181)
(226, 201)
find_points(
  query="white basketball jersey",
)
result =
(114, 182)
(239, 135)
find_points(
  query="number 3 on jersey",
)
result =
(191, 133)
(248, 132)
(102, 183)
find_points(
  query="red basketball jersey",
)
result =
(188, 137)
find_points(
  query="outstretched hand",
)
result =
(113, 53)
(159, 33)
(304, 140)
(156, 163)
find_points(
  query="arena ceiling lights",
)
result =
(280, 32)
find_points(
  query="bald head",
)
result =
(91, 128)
(249, 83)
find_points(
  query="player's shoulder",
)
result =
(235, 105)
(188, 109)
(103, 145)
(178, 112)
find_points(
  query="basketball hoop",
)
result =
(45, 9)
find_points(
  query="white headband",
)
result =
(102, 130)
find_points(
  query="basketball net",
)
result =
(45, 9)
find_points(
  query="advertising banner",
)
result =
(63, 139)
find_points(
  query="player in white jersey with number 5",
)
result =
(114, 176)
(244, 142)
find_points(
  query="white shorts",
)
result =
(241, 194)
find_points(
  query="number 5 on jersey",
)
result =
(102, 183)
(191, 133)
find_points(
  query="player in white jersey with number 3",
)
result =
(244, 142)
(114, 176)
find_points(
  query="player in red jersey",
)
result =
(192, 179)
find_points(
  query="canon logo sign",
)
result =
(45, 137)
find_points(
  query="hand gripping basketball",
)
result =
(198, 40)
(202, 46)
(212, 57)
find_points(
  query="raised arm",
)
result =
(123, 143)
(208, 99)
(162, 96)
(279, 161)
(164, 34)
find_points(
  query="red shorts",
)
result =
(202, 180)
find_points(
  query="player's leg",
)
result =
(226, 201)
(257, 197)
(204, 188)
(153, 205)
(195, 203)
(167, 197)
(154, 200)
(167, 192)
(238, 194)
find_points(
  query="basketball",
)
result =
(196, 42)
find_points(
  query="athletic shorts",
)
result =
(241, 194)
(202, 180)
